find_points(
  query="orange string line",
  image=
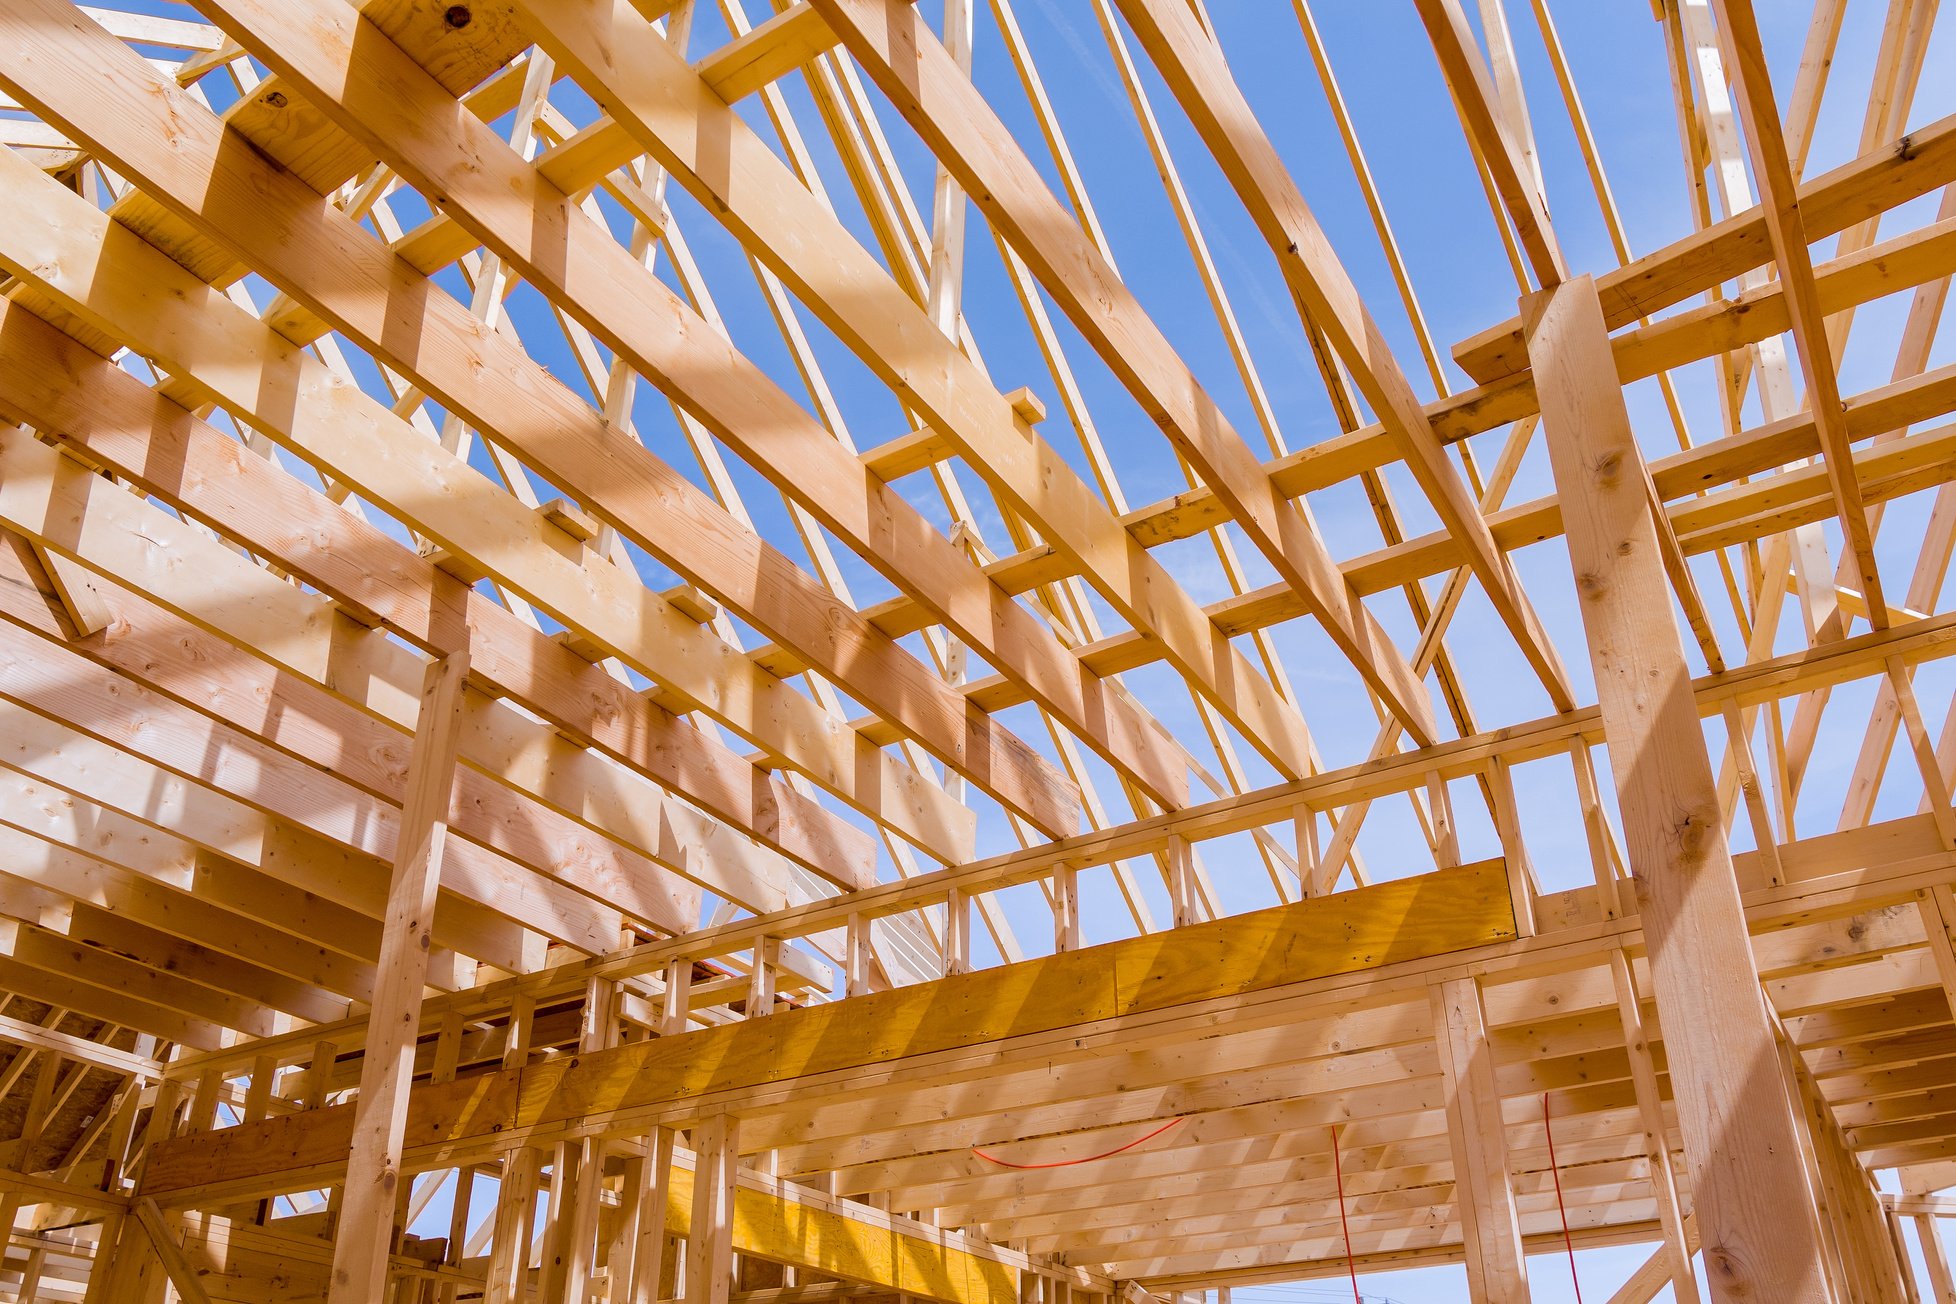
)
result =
(1338, 1170)
(1567, 1244)
(1068, 1163)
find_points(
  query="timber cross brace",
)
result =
(602, 701)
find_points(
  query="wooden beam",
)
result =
(54, 383)
(655, 96)
(80, 1049)
(1430, 914)
(515, 858)
(1678, 1232)
(1758, 1232)
(164, 1242)
(478, 871)
(1497, 1268)
(360, 78)
(39, 1188)
(1885, 178)
(350, 434)
(766, 52)
(1476, 100)
(1193, 64)
(906, 61)
(710, 1229)
(365, 1234)
(1745, 56)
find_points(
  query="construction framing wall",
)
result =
(586, 715)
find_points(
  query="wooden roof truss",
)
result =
(487, 724)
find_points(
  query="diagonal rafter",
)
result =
(478, 372)
(905, 60)
(1194, 68)
(355, 74)
(1779, 202)
(648, 88)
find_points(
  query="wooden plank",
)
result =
(52, 382)
(164, 1242)
(60, 684)
(237, 197)
(1476, 102)
(80, 1049)
(1678, 1230)
(1193, 64)
(355, 438)
(1885, 178)
(1745, 55)
(766, 53)
(364, 1236)
(65, 759)
(363, 82)
(906, 61)
(650, 90)
(38, 1188)
(710, 1225)
(1344, 933)
(578, 876)
(1497, 1268)
(1758, 1231)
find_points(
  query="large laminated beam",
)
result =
(675, 1077)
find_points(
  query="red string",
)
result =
(1068, 1163)
(1338, 1171)
(1567, 1244)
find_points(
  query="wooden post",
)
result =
(1758, 1233)
(957, 932)
(1657, 1144)
(760, 979)
(1497, 1270)
(1306, 821)
(1066, 908)
(679, 988)
(365, 1233)
(1932, 1254)
(509, 1250)
(1181, 880)
(170, 1253)
(856, 957)
(578, 1229)
(709, 1249)
(650, 1252)
(1507, 825)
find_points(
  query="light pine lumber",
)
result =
(1758, 1234)
(624, 64)
(1345, 933)
(1193, 65)
(903, 57)
(364, 1236)
(53, 382)
(1497, 1268)
(121, 281)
